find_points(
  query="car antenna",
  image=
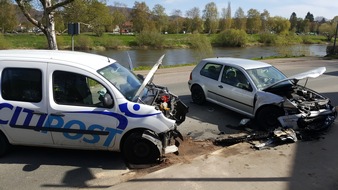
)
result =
(130, 62)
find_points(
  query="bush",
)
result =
(267, 38)
(4, 44)
(112, 43)
(232, 38)
(202, 45)
(83, 43)
(150, 38)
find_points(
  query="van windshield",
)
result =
(122, 78)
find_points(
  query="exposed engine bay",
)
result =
(171, 106)
(306, 109)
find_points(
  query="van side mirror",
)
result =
(108, 101)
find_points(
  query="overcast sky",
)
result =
(284, 8)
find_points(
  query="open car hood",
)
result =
(314, 73)
(149, 77)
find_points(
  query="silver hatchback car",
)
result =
(260, 91)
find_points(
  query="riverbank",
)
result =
(88, 41)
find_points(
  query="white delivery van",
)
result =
(78, 100)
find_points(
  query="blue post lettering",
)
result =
(28, 117)
(76, 135)
(96, 138)
(15, 116)
(5, 105)
(112, 133)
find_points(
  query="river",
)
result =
(146, 57)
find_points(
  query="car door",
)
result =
(211, 73)
(23, 102)
(77, 116)
(235, 91)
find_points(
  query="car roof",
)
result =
(244, 63)
(80, 59)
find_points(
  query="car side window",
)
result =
(76, 89)
(211, 70)
(235, 77)
(21, 84)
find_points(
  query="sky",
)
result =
(284, 8)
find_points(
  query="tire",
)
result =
(4, 144)
(267, 118)
(138, 150)
(197, 95)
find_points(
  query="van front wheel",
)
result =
(4, 145)
(138, 150)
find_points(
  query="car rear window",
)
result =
(211, 70)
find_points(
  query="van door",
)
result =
(78, 118)
(23, 102)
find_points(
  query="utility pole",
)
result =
(334, 42)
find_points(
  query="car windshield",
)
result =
(123, 79)
(266, 76)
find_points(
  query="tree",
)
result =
(309, 16)
(8, 20)
(210, 16)
(265, 17)
(240, 19)
(293, 21)
(280, 25)
(328, 30)
(47, 23)
(99, 17)
(176, 23)
(119, 15)
(160, 17)
(140, 16)
(254, 22)
(194, 22)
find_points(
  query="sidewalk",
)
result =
(307, 165)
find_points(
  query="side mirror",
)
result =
(108, 101)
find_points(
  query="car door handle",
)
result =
(220, 86)
(60, 114)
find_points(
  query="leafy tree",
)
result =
(293, 21)
(8, 20)
(140, 16)
(210, 16)
(77, 12)
(47, 23)
(254, 22)
(160, 17)
(310, 17)
(228, 20)
(265, 16)
(99, 17)
(280, 25)
(328, 30)
(119, 15)
(176, 23)
(240, 19)
(194, 22)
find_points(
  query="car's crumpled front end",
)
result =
(307, 109)
(304, 108)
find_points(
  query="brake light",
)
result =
(190, 78)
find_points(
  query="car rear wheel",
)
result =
(197, 95)
(138, 150)
(267, 117)
(4, 144)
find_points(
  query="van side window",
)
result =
(211, 70)
(76, 89)
(21, 84)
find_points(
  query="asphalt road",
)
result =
(42, 168)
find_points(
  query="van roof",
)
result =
(92, 61)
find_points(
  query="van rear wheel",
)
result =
(138, 150)
(4, 144)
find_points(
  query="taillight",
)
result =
(190, 78)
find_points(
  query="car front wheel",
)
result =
(138, 150)
(197, 95)
(267, 118)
